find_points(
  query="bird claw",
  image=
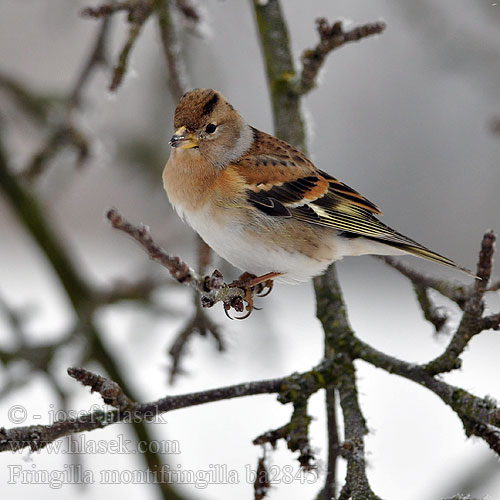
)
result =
(250, 283)
(269, 284)
(227, 307)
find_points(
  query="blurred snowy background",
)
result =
(405, 118)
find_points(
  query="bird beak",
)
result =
(183, 139)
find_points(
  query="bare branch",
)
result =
(471, 323)
(339, 338)
(200, 324)
(112, 394)
(330, 38)
(212, 288)
(456, 292)
(491, 322)
(96, 57)
(334, 451)
(431, 313)
(65, 135)
(36, 106)
(138, 14)
(262, 483)
(274, 39)
(295, 433)
(107, 9)
(171, 48)
(188, 11)
(39, 436)
(356, 481)
(480, 416)
(177, 268)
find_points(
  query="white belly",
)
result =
(232, 242)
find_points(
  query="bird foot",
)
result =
(261, 285)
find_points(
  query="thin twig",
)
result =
(111, 393)
(39, 436)
(36, 106)
(432, 313)
(330, 38)
(171, 49)
(189, 12)
(471, 322)
(478, 415)
(96, 57)
(456, 292)
(138, 14)
(262, 482)
(200, 324)
(107, 9)
(295, 433)
(212, 288)
(280, 71)
(66, 133)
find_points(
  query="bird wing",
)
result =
(273, 164)
(282, 182)
(312, 199)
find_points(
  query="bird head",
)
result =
(206, 124)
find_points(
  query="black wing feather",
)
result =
(269, 205)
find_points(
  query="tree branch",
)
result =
(471, 323)
(96, 57)
(212, 288)
(200, 323)
(456, 292)
(138, 13)
(36, 106)
(339, 338)
(172, 49)
(431, 313)
(330, 38)
(295, 433)
(289, 125)
(480, 416)
(65, 132)
(274, 40)
(38, 436)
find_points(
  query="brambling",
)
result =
(261, 204)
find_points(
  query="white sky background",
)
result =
(403, 118)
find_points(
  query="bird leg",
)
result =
(250, 284)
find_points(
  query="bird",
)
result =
(262, 205)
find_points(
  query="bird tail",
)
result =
(425, 253)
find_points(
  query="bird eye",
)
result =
(211, 127)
